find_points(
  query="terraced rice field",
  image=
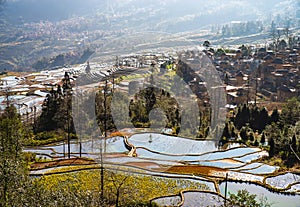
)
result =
(180, 158)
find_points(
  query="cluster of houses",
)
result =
(27, 92)
(254, 73)
(248, 74)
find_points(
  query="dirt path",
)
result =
(61, 162)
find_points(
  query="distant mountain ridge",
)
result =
(160, 13)
(35, 30)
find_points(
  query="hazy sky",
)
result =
(160, 10)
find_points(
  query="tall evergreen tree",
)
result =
(274, 118)
(254, 117)
(233, 134)
(263, 139)
(263, 119)
(226, 131)
(48, 118)
(251, 137)
(242, 117)
(12, 168)
(57, 107)
(243, 134)
(272, 147)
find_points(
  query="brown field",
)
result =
(194, 170)
(145, 165)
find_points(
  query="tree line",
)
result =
(278, 132)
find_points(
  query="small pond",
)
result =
(168, 201)
(278, 200)
(114, 144)
(249, 166)
(263, 169)
(201, 199)
(251, 157)
(172, 145)
(282, 181)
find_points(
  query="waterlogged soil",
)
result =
(189, 169)
(193, 170)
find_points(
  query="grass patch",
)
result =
(46, 138)
(135, 188)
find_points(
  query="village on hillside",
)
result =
(249, 74)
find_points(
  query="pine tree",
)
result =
(254, 117)
(251, 137)
(48, 120)
(233, 134)
(263, 139)
(67, 86)
(226, 132)
(274, 118)
(263, 119)
(12, 168)
(243, 134)
(56, 112)
(242, 117)
(272, 147)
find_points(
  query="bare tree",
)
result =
(275, 34)
(118, 184)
